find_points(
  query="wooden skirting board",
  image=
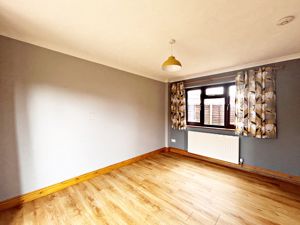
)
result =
(19, 200)
(62, 185)
(244, 167)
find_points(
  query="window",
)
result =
(194, 105)
(214, 113)
(214, 91)
(211, 106)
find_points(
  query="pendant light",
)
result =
(171, 64)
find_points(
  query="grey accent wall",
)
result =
(281, 154)
(61, 117)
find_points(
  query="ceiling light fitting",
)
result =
(171, 64)
(285, 20)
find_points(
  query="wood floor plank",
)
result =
(166, 189)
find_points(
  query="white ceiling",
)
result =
(132, 35)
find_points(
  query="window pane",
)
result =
(214, 111)
(214, 91)
(193, 99)
(232, 90)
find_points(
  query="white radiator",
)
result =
(215, 146)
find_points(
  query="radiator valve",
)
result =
(241, 161)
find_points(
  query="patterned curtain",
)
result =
(178, 106)
(256, 103)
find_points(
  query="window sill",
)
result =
(211, 128)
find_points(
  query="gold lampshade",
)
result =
(171, 64)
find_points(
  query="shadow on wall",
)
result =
(9, 160)
(61, 117)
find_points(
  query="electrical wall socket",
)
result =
(173, 140)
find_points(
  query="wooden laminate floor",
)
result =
(166, 189)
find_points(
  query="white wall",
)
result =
(61, 117)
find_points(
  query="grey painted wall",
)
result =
(61, 117)
(281, 154)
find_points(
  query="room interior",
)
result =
(150, 112)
